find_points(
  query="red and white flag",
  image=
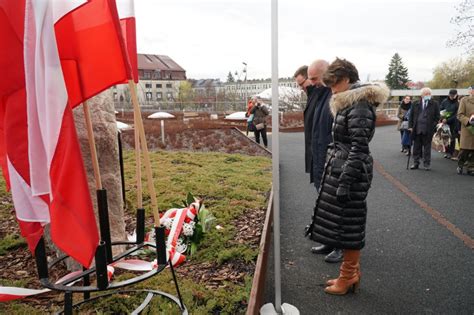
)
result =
(59, 54)
(45, 167)
(92, 50)
(126, 12)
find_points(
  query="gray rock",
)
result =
(105, 132)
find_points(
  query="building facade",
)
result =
(159, 80)
(249, 88)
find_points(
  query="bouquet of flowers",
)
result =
(445, 114)
(185, 227)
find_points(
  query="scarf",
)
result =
(406, 106)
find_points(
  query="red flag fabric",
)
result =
(12, 100)
(126, 12)
(59, 54)
(91, 49)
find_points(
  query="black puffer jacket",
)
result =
(348, 169)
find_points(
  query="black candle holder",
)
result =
(103, 257)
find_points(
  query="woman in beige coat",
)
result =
(466, 117)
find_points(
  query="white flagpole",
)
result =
(278, 308)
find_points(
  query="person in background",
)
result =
(449, 110)
(466, 118)
(250, 125)
(422, 124)
(341, 210)
(260, 113)
(403, 108)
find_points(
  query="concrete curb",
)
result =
(258, 283)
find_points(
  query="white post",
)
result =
(276, 156)
(163, 131)
(268, 308)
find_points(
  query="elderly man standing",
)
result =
(321, 137)
(466, 117)
(423, 120)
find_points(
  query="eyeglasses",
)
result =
(302, 83)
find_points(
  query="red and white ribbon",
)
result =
(15, 293)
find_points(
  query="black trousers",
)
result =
(452, 145)
(466, 156)
(262, 132)
(422, 148)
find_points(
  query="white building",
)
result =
(159, 80)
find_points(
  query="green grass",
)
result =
(229, 184)
(11, 242)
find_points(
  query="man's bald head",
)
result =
(316, 71)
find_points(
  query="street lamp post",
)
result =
(245, 83)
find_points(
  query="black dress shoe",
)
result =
(427, 168)
(414, 167)
(323, 249)
(335, 256)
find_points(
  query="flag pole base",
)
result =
(287, 309)
(102, 260)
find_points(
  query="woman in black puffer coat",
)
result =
(341, 210)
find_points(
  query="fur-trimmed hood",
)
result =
(374, 93)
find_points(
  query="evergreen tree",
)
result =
(230, 78)
(397, 77)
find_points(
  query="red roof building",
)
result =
(159, 67)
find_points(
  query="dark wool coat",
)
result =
(348, 170)
(308, 115)
(432, 116)
(450, 106)
(260, 113)
(321, 135)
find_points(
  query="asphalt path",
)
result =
(419, 254)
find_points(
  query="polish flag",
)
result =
(126, 12)
(92, 50)
(45, 168)
(59, 54)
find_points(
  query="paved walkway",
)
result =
(419, 254)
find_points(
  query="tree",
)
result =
(397, 77)
(230, 78)
(464, 19)
(185, 92)
(454, 73)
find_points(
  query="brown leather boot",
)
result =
(332, 281)
(349, 276)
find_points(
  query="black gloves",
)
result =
(342, 194)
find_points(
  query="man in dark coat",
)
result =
(450, 107)
(320, 139)
(422, 124)
(322, 120)
(301, 78)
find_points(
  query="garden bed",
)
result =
(217, 279)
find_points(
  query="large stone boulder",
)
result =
(105, 132)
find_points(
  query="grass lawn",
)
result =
(217, 279)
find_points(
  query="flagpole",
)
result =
(144, 147)
(138, 165)
(90, 136)
(278, 308)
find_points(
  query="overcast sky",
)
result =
(209, 38)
